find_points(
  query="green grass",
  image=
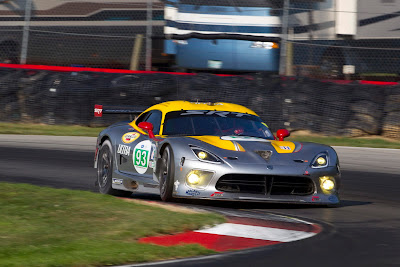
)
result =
(42, 226)
(68, 130)
(379, 74)
(43, 129)
(346, 141)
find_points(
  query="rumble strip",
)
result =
(240, 233)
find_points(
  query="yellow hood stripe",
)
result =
(280, 146)
(216, 141)
(283, 146)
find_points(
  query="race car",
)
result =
(216, 151)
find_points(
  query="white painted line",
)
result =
(257, 232)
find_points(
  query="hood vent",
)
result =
(265, 154)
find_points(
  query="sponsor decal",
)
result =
(177, 183)
(285, 147)
(315, 198)
(243, 138)
(151, 164)
(153, 151)
(117, 181)
(333, 199)
(98, 110)
(124, 150)
(217, 194)
(141, 156)
(214, 112)
(207, 103)
(192, 192)
(130, 137)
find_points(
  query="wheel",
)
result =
(166, 174)
(105, 170)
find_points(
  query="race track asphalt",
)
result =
(363, 231)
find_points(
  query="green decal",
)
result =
(141, 157)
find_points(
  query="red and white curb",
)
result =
(240, 233)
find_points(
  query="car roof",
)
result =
(177, 105)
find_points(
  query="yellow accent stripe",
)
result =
(283, 146)
(216, 141)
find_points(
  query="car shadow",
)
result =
(246, 205)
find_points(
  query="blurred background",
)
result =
(325, 66)
(341, 39)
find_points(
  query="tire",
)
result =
(368, 108)
(166, 174)
(365, 123)
(105, 171)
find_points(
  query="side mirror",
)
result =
(282, 133)
(148, 127)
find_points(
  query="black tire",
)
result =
(166, 174)
(368, 108)
(105, 170)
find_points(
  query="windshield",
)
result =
(217, 123)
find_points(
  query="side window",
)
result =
(141, 118)
(155, 118)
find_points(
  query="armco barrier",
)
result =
(61, 95)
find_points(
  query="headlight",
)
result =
(198, 179)
(320, 161)
(203, 155)
(327, 183)
(193, 178)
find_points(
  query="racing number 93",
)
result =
(141, 157)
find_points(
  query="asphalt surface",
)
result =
(363, 231)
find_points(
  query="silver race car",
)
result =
(221, 151)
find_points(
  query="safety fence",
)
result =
(306, 38)
(67, 96)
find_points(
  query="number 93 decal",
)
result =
(141, 156)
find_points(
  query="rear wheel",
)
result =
(166, 174)
(105, 171)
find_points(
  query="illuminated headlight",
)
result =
(266, 45)
(193, 178)
(204, 155)
(320, 161)
(327, 183)
(198, 179)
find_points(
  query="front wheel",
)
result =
(105, 171)
(166, 174)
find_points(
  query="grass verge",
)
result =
(68, 130)
(43, 129)
(376, 141)
(42, 226)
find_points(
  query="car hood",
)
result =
(253, 150)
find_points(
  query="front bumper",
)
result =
(296, 171)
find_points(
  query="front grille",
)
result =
(265, 184)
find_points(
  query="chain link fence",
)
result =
(53, 97)
(339, 39)
(111, 34)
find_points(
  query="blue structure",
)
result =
(228, 27)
